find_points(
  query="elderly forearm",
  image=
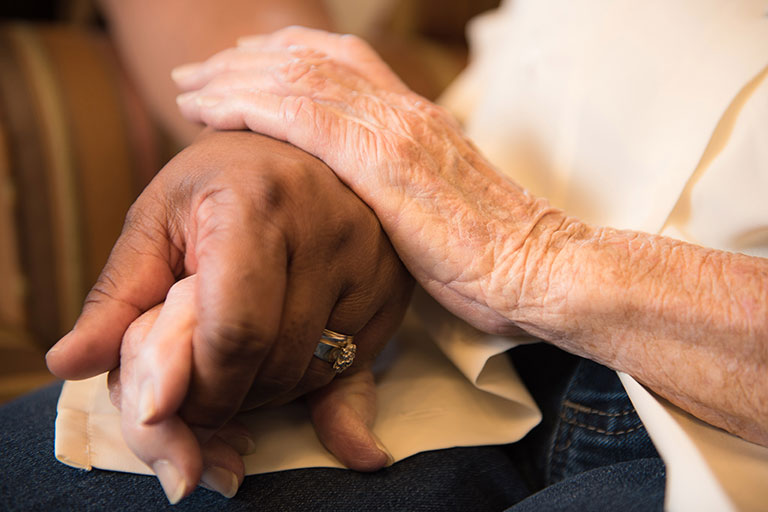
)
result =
(689, 322)
(154, 37)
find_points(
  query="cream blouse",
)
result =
(647, 115)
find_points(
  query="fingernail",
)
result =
(208, 101)
(147, 408)
(220, 480)
(59, 344)
(51, 351)
(380, 446)
(185, 71)
(242, 444)
(174, 486)
(185, 97)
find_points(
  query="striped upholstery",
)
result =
(75, 149)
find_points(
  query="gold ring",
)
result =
(336, 348)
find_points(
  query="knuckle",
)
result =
(354, 44)
(260, 194)
(291, 71)
(347, 227)
(294, 107)
(217, 210)
(301, 70)
(274, 383)
(271, 193)
(406, 149)
(309, 55)
(433, 112)
(237, 342)
(288, 34)
(226, 208)
(430, 109)
(216, 201)
(345, 232)
(258, 207)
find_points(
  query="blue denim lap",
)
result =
(591, 451)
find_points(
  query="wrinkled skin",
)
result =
(403, 155)
(278, 249)
(490, 252)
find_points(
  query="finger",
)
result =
(137, 276)
(194, 76)
(309, 299)
(227, 84)
(130, 347)
(169, 446)
(280, 74)
(343, 413)
(312, 304)
(241, 258)
(223, 468)
(369, 340)
(237, 435)
(373, 337)
(170, 449)
(173, 452)
(348, 49)
(157, 376)
(294, 119)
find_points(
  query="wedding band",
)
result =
(336, 348)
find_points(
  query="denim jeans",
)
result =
(590, 452)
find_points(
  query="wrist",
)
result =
(539, 272)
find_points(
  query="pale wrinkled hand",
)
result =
(341, 412)
(460, 228)
(280, 249)
(169, 446)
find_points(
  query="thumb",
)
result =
(137, 276)
(342, 413)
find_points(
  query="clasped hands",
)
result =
(487, 250)
(256, 246)
(230, 264)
